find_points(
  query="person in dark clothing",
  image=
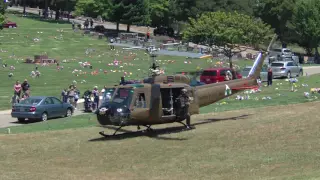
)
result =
(122, 81)
(184, 102)
(86, 24)
(25, 87)
(96, 95)
(64, 96)
(270, 77)
(91, 23)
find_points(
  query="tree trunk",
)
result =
(24, 7)
(57, 14)
(230, 62)
(118, 26)
(68, 16)
(128, 27)
(234, 74)
(46, 9)
(316, 55)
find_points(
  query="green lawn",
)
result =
(279, 142)
(280, 95)
(58, 41)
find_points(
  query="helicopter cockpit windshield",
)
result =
(108, 93)
(123, 97)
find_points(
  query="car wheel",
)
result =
(44, 116)
(69, 112)
(21, 119)
(289, 75)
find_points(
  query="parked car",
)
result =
(42, 108)
(9, 24)
(282, 52)
(214, 75)
(263, 73)
(286, 69)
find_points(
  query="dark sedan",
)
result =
(41, 108)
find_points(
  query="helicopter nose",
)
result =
(103, 116)
(112, 116)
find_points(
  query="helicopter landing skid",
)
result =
(106, 135)
(186, 126)
(149, 129)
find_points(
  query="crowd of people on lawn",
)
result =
(69, 95)
(72, 95)
(21, 91)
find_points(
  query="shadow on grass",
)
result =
(156, 132)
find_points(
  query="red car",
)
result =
(214, 75)
(9, 25)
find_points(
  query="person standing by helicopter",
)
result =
(270, 76)
(96, 97)
(184, 102)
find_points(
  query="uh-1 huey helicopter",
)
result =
(154, 102)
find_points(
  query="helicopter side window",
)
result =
(140, 101)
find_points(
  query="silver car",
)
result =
(286, 69)
(263, 73)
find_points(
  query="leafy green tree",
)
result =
(182, 10)
(3, 7)
(306, 23)
(91, 8)
(227, 32)
(160, 13)
(276, 13)
(136, 12)
(115, 12)
(241, 6)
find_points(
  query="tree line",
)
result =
(294, 21)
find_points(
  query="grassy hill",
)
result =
(278, 142)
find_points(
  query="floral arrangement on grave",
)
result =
(293, 82)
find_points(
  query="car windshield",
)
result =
(123, 96)
(209, 73)
(247, 69)
(277, 64)
(30, 101)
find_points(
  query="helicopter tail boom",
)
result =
(211, 93)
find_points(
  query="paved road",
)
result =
(311, 70)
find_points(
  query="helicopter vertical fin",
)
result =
(258, 63)
(257, 66)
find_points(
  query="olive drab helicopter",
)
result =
(154, 101)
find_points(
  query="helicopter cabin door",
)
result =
(140, 105)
